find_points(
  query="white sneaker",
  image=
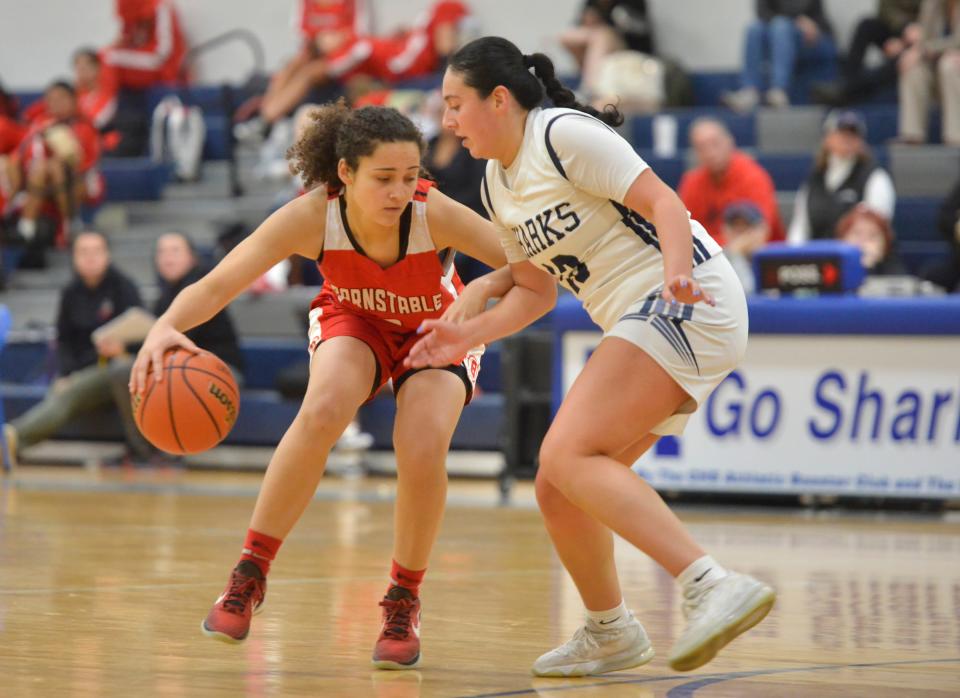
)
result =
(716, 615)
(354, 439)
(777, 98)
(743, 100)
(597, 652)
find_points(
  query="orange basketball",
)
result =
(193, 408)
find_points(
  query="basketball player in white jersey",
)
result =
(574, 203)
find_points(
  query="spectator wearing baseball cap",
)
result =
(844, 175)
(745, 230)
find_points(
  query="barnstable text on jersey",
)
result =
(383, 301)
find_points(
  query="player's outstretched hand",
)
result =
(161, 337)
(442, 344)
(683, 289)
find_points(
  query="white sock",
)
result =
(701, 573)
(606, 620)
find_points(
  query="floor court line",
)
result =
(686, 690)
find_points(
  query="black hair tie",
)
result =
(527, 61)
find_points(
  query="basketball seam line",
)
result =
(173, 423)
(213, 420)
(210, 373)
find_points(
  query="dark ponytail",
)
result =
(338, 132)
(491, 61)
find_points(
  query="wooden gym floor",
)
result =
(105, 577)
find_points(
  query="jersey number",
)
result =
(570, 270)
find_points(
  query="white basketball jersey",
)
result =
(559, 206)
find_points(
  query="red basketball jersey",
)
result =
(418, 286)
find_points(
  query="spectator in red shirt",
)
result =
(725, 175)
(419, 51)
(96, 86)
(151, 45)
(56, 162)
(326, 27)
(11, 133)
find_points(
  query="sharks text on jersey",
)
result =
(547, 228)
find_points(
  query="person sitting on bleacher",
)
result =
(417, 52)
(97, 293)
(96, 86)
(844, 174)
(177, 266)
(788, 33)
(325, 26)
(722, 176)
(893, 29)
(151, 46)
(872, 233)
(745, 230)
(11, 133)
(604, 27)
(56, 166)
(933, 60)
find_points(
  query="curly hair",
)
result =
(337, 132)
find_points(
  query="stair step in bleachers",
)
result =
(924, 170)
(134, 179)
(798, 130)
(741, 126)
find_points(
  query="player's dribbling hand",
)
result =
(161, 337)
(683, 289)
(442, 344)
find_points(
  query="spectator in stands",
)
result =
(151, 46)
(722, 176)
(177, 266)
(893, 29)
(56, 164)
(844, 174)
(872, 233)
(98, 293)
(788, 34)
(11, 133)
(326, 26)
(946, 273)
(606, 26)
(96, 86)
(933, 60)
(414, 53)
(745, 230)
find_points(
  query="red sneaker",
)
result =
(398, 646)
(229, 619)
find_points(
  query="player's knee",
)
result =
(324, 415)
(555, 454)
(549, 498)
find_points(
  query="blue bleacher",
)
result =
(919, 242)
(264, 413)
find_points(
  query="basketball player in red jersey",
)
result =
(375, 229)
